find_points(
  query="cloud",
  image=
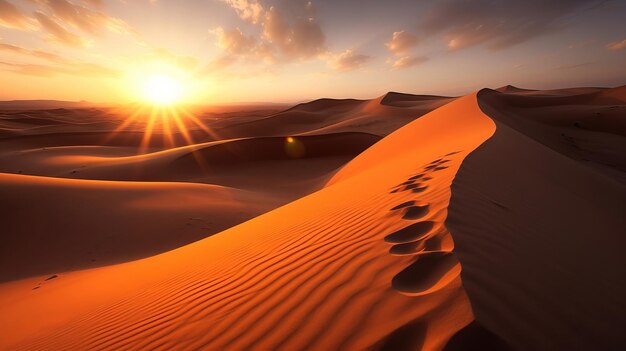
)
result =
(61, 65)
(234, 41)
(249, 10)
(58, 33)
(617, 45)
(497, 24)
(11, 17)
(401, 42)
(86, 19)
(77, 69)
(574, 66)
(406, 61)
(93, 2)
(301, 39)
(34, 53)
(348, 61)
(283, 38)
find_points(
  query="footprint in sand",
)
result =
(54, 276)
(415, 212)
(403, 205)
(419, 190)
(432, 268)
(407, 249)
(39, 285)
(414, 187)
(413, 232)
(417, 176)
(410, 240)
(429, 271)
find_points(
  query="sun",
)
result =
(161, 89)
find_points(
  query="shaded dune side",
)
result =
(187, 163)
(538, 234)
(396, 99)
(63, 137)
(54, 225)
(317, 273)
(590, 127)
(379, 116)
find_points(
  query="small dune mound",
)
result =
(510, 89)
(612, 96)
(395, 99)
(326, 104)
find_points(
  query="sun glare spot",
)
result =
(162, 90)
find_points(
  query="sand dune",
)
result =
(276, 281)
(587, 127)
(55, 225)
(539, 237)
(294, 162)
(493, 221)
(379, 116)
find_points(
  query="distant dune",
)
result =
(492, 221)
(42, 104)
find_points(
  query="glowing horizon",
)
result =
(227, 51)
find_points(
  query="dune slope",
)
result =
(52, 225)
(539, 229)
(363, 263)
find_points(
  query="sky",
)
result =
(228, 51)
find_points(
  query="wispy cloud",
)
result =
(617, 45)
(286, 35)
(249, 10)
(500, 24)
(59, 34)
(406, 61)
(12, 17)
(401, 42)
(84, 18)
(574, 66)
(76, 69)
(233, 41)
(59, 65)
(65, 22)
(33, 53)
(348, 61)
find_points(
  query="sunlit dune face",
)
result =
(162, 90)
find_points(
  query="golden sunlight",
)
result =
(162, 90)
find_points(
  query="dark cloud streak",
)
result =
(498, 24)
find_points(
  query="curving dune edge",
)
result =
(466, 227)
